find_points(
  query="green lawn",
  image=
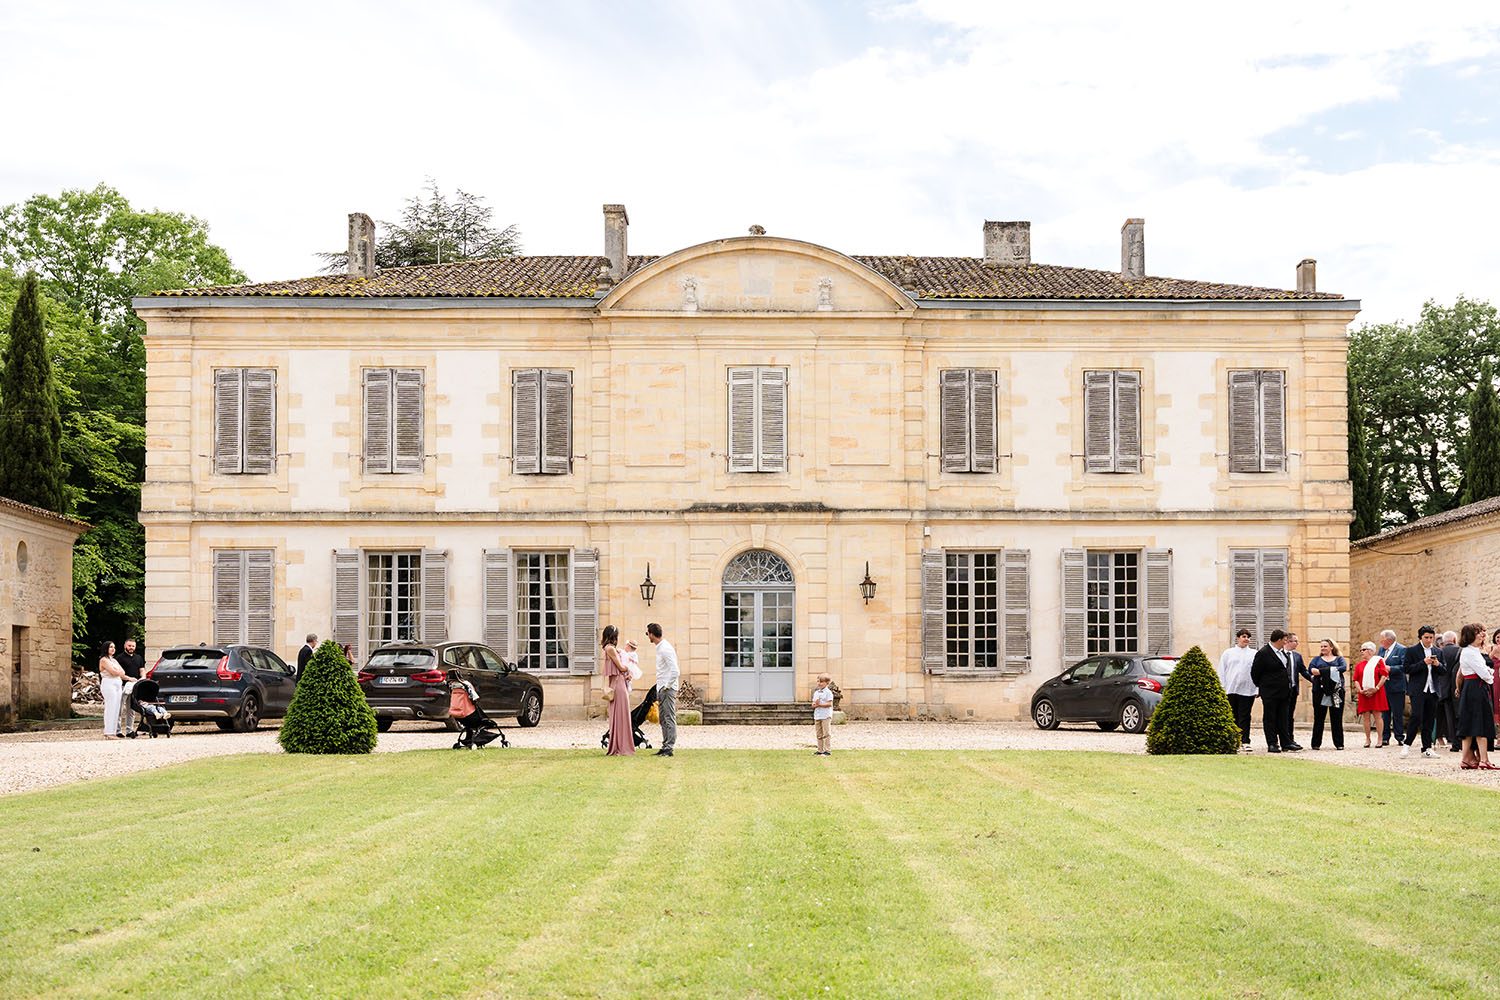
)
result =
(751, 874)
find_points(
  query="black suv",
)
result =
(235, 686)
(411, 682)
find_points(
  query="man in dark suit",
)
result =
(1272, 674)
(1299, 671)
(306, 652)
(1393, 719)
(1447, 712)
(1423, 668)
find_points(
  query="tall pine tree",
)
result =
(31, 468)
(1482, 456)
(1364, 471)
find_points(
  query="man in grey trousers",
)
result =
(667, 675)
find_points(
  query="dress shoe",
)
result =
(662, 753)
(1294, 747)
(1273, 750)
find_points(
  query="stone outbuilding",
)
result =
(36, 610)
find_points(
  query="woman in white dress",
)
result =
(112, 686)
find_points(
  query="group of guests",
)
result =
(1447, 682)
(118, 673)
(621, 670)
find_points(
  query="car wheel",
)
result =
(1044, 714)
(248, 721)
(1132, 717)
(1109, 727)
(227, 725)
(384, 723)
(531, 710)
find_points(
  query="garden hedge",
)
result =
(329, 713)
(1194, 715)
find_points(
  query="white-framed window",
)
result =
(1259, 592)
(393, 419)
(543, 584)
(1112, 420)
(757, 419)
(971, 583)
(976, 610)
(541, 421)
(244, 421)
(244, 596)
(1116, 601)
(968, 419)
(1257, 421)
(393, 598)
(389, 596)
(541, 607)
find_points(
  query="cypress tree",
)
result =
(1482, 456)
(329, 713)
(1364, 471)
(1194, 714)
(31, 468)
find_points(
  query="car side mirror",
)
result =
(1068, 679)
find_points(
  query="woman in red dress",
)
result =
(1369, 678)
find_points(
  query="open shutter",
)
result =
(983, 383)
(1158, 603)
(1075, 610)
(1273, 421)
(772, 420)
(260, 420)
(954, 419)
(1244, 593)
(497, 602)
(1275, 591)
(1244, 422)
(434, 595)
(583, 643)
(229, 594)
(228, 412)
(346, 600)
(260, 597)
(526, 421)
(743, 435)
(377, 420)
(408, 417)
(1099, 421)
(557, 422)
(934, 622)
(1127, 421)
(1016, 569)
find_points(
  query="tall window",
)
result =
(542, 610)
(972, 609)
(542, 421)
(967, 419)
(244, 596)
(1259, 597)
(757, 419)
(1114, 607)
(1112, 421)
(244, 420)
(393, 419)
(393, 597)
(1257, 421)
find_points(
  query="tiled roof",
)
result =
(1447, 517)
(577, 277)
(43, 513)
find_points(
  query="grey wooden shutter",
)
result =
(497, 602)
(1127, 421)
(229, 596)
(1273, 421)
(260, 420)
(953, 388)
(377, 383)
(744, 436)
(583, 616)
(1158, 633)
(434, 595)
(1244, 592)
(1099, 421)
(1015, 566)
(346, 616)
(228, 412)
(934, 620)
(526, 421)
(557, 422)
(260, 598)
(983, 384)
(1075, 608)
(407, 443)
(1244, 422)
(1275, 591)
(772, 420)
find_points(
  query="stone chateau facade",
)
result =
(1032, 464)
(36, 611)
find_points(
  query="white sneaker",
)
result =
(1405, 752)
(1428, 753)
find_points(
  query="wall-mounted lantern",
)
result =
(867, 585)
(648, 588)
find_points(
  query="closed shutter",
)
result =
(228, 412)
(1275, 591)
(983, 385)
(772, 420)
(229, 596)
(1273, 421)
(1244, 592)
(1158, 603)
(409, 417)
(497, 602)
(934, 620)
(1099, 421)
(954, 419)
(377, 385)
(346, 616)
(526, 421)
(260, 420)
(1016, 570)
(1127, 421)
(1244, 422)
(557, 422)
(434, 595)
(583, 616)
(1075, 609)
(260, 598)
(743, 436)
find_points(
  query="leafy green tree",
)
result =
(1364, 470)
(435, 229)
(1194, 716)
(1482, 452)
(31, 467)
(329, 713)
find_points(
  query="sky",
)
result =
(1248, 136)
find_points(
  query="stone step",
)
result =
(756, 715)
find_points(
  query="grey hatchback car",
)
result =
(234, 686)
(410, 681)
(1112, 690)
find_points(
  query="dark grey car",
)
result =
(410, 681)
(235, 686)
(1114, 690)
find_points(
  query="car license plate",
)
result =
(178, 699)
(390, 680)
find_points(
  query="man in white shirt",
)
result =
(1234, 674)
(667, 677)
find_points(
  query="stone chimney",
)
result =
(1307, 275)
(361, 245)
(616, 226)
(1007, 244)
(1133, 249)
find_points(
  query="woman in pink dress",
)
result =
(617, 679)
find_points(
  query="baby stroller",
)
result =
(637, 720)
(479, 730)
(145, 698)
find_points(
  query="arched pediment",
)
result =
(757, 274)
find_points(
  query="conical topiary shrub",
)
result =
(1194, 715)
(329, 713)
